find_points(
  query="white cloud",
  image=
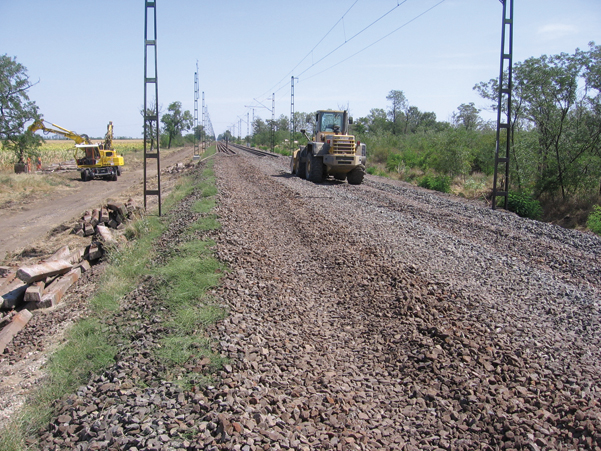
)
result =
(557, 30)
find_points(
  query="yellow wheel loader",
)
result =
(333, 152)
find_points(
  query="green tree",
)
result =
(467, 116)
(304, 121)
(261, 132)
(199, 132)
(16, 109)
(376, 121)
(557, 99)
(398, 108)
(149, 126)
(176, 121)
(225, 136)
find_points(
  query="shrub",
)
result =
(440, 183)
(524, 205)
(594, 220)
(395, 163)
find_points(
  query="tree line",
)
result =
(555, 120)
(556, 125)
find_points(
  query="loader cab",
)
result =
(331, 122)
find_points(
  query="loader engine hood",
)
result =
(340, 144)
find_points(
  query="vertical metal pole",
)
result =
(291, 112)
(504, 105)
(203, 133)
(247, 129)
(151, 115)
(196, 153)
(272, 121)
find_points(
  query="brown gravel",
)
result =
(388, 317)
(368, 317)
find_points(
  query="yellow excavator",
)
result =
(93, 159)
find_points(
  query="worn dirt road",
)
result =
(23, 226)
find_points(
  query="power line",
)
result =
(354, 36)
(399, 3)
(375, 42)
(364, 48)
(311, 51)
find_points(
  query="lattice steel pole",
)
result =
(151, 115)
(196, 153)
(504, 105)
(292, 119)
(272, 121)
(203, 135)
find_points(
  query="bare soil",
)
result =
(29, 228)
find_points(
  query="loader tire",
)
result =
(355, 177)
(301, 168)
(314, 169)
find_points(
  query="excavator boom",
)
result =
(79, 139)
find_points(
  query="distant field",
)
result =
(58, 151)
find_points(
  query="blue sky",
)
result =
(89, 56)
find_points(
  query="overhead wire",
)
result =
(354, 36)
(375, 42)
(312, 50)
(399, 3)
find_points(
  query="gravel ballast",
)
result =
(379, 316)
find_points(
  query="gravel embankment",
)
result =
(367, 317)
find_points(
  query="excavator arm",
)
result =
(108, 138)
(79, 139)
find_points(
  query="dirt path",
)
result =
(33, 221)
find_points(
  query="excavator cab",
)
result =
(89, 154)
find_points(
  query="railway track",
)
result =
(230, 149)
(225, 148)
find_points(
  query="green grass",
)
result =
(206, 223)
(187, 277)
(91, 346)
(203, 205)
(87, 351)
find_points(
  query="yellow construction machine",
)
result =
(93, 159)
(333, 151)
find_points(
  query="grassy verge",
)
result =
(186, 278)
(17, 187)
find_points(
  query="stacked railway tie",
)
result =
(112, 216)
(42, 285)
